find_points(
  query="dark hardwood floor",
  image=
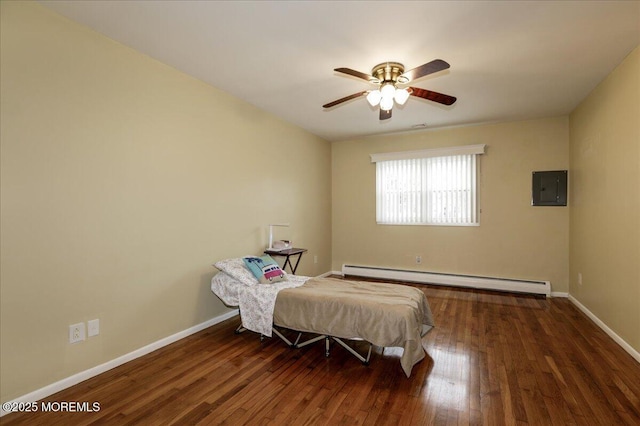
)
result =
(492, 359)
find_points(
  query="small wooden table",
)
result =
(287, 253)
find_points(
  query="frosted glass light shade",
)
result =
(401, 96)
(374, 97)
(387, 90)
(386, 103)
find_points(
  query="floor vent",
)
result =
(484, 283)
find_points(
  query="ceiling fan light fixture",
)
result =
(401, 96)
(387, 76)
(374, 97)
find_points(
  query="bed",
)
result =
(383, 314)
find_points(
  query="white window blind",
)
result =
(432, 188)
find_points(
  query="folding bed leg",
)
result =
(362, 359)
(368, 354)
(326, 347)
(284, 339)
(295, 344)
(307, 342)
(280, 335)
(240, 329)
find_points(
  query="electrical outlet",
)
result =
(315, 259)
(418, 259)
(579, 278)
(77, 333)
(93, 327)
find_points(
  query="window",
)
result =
(429, 187)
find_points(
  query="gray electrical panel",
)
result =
(549, 188)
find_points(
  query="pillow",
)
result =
(265, 269)
(236, 268)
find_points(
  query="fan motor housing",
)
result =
(388, 71)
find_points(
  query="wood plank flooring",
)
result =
(492, 359)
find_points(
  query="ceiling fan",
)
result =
(388, 76)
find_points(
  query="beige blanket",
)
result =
(380, 313)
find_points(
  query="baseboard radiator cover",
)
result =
(454, 280)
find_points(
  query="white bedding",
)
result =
(256, 302)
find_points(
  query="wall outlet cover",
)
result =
(77, 333)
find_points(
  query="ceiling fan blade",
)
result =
(385, 115)
(345, 99)
(425, 69)
(358, 74)
(432, 96)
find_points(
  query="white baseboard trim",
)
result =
(92, 372)
(450, 279)
(627, 347)
(552, 294)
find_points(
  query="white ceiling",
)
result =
(510, 60)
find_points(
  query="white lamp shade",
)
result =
(386, 103)
(374, 97)
(401, 96)
(271, 232)
(387, 90)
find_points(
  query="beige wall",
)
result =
(605, 199)
(514, 239)
(122, 181)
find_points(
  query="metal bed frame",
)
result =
(297, 344)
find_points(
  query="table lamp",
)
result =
(285, 225)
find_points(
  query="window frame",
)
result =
(475, 150)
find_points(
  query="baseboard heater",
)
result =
(470, 281)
